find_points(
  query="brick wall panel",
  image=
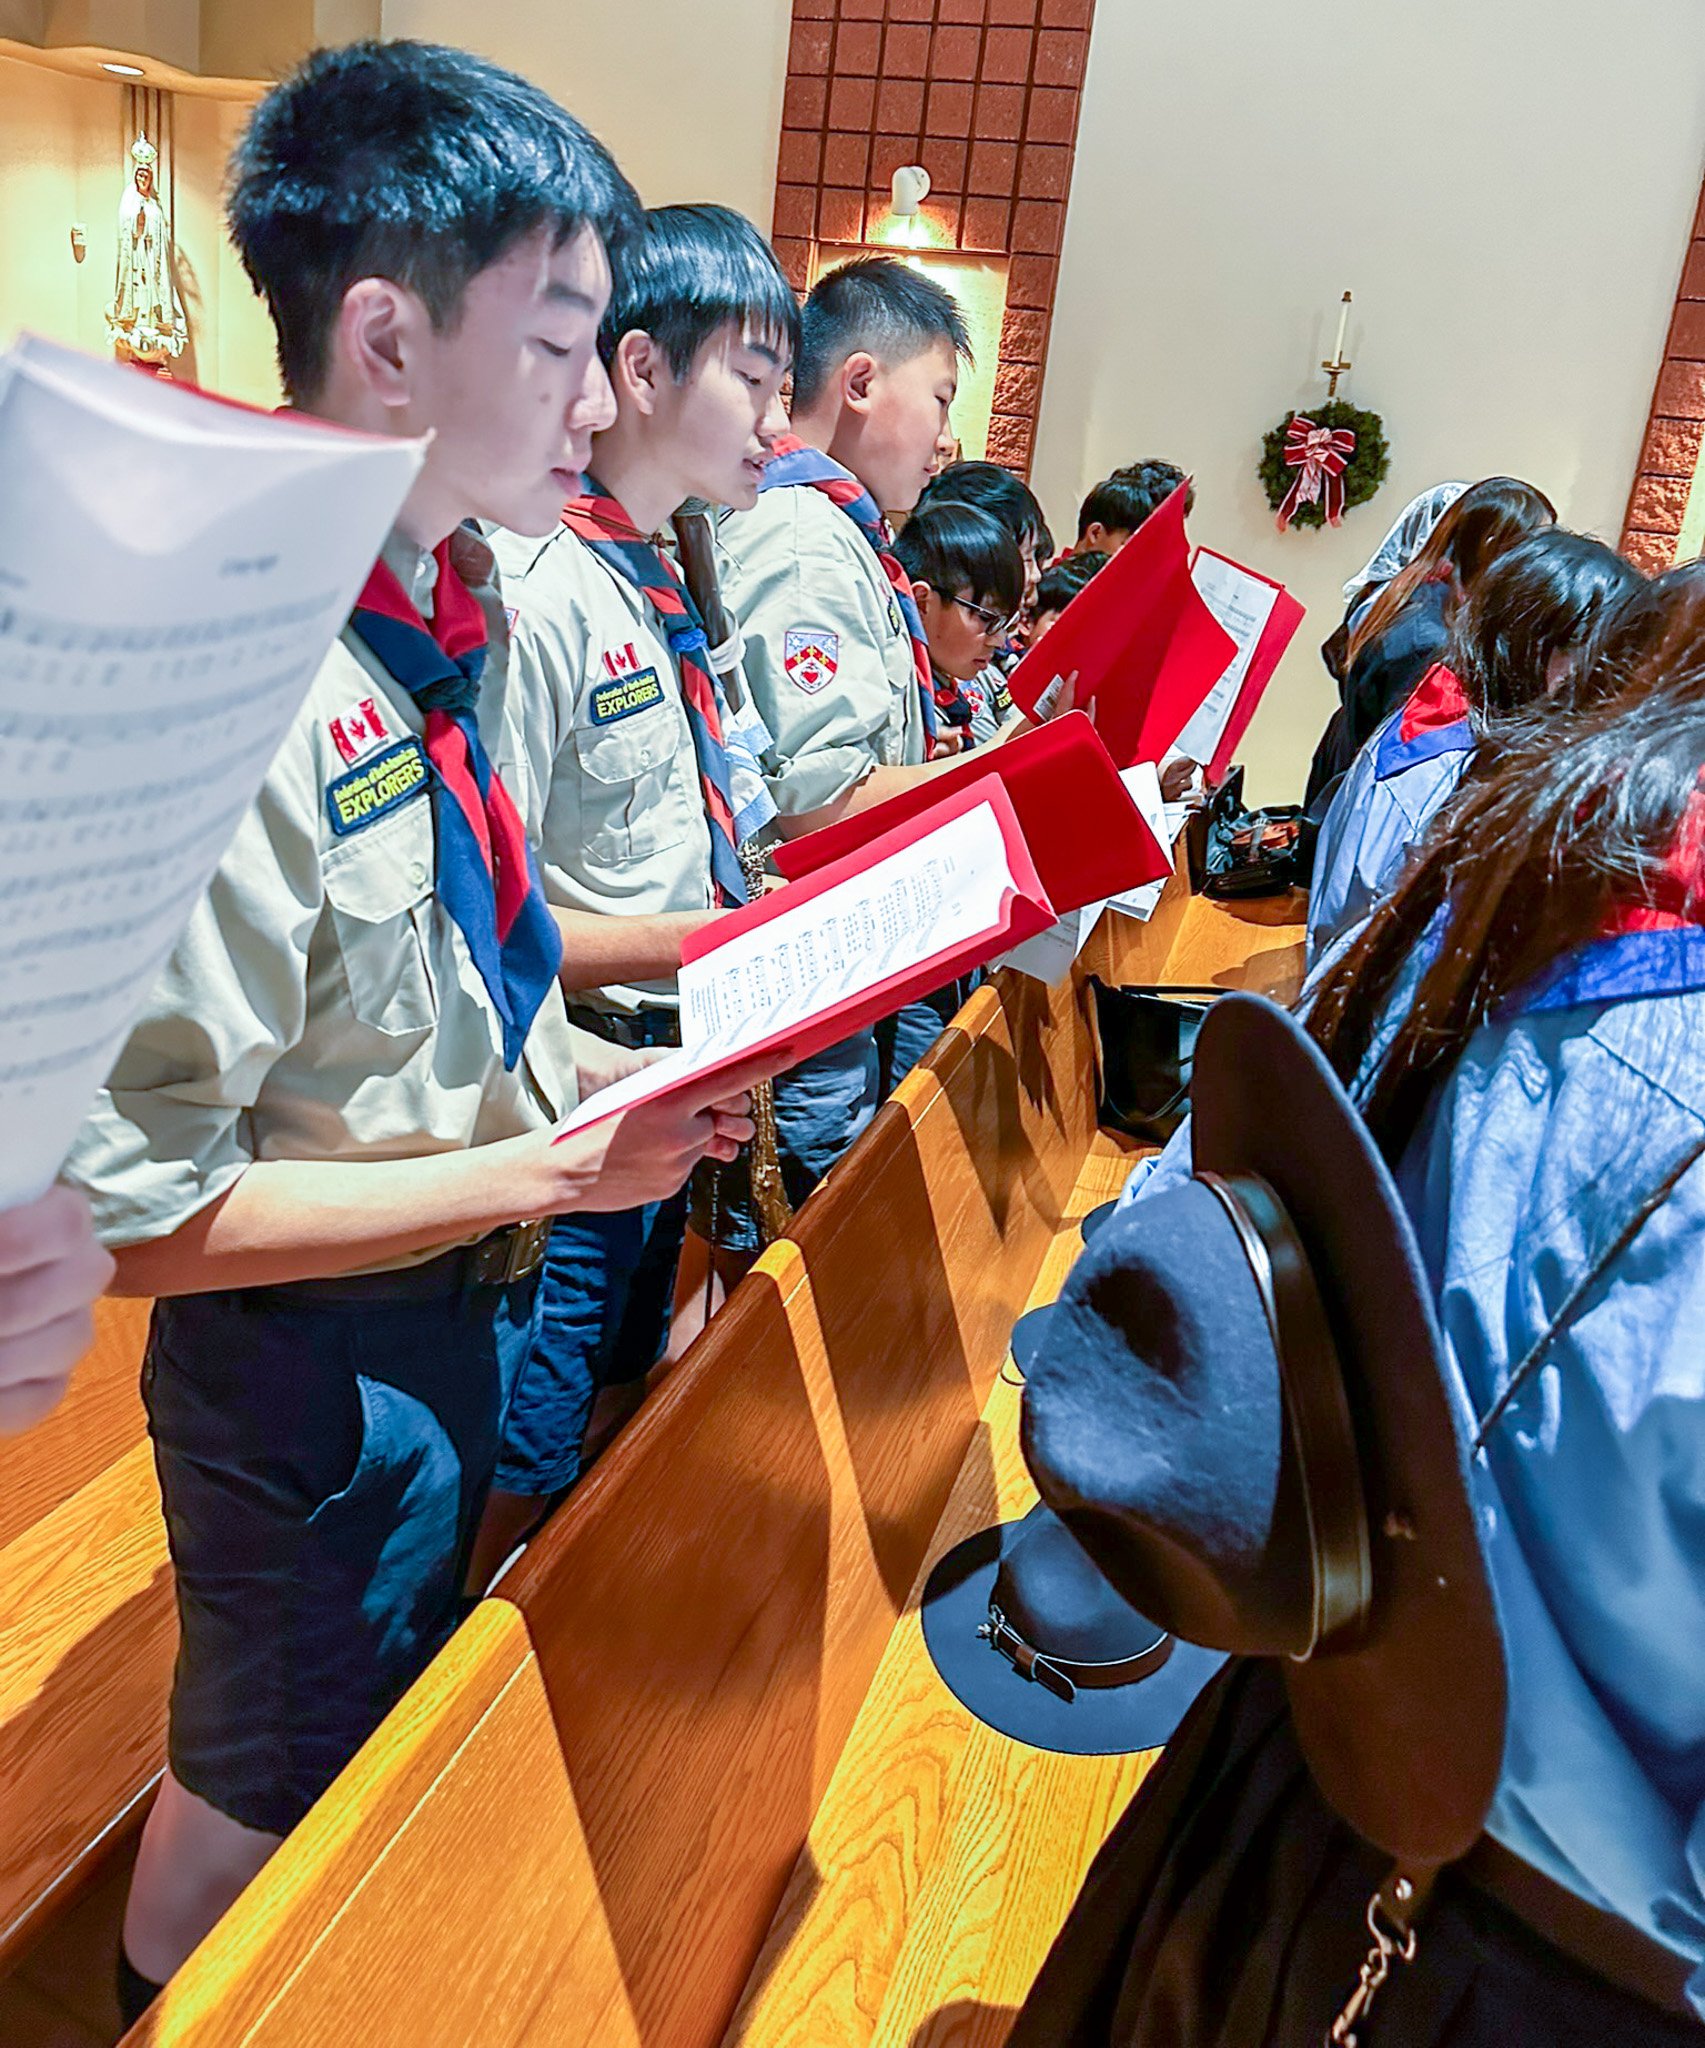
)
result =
(985, 95)
(1060, 57)
(1672, 448)
(1659, 504)
(1681, 391)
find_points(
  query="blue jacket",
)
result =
(1557, 1122)
(1396, 785)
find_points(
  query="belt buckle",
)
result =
(526, 1248)
(512, 1254)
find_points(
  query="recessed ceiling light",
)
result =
(122, 70)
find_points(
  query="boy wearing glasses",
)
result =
(968, 576)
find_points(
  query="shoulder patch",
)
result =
(811, 655)
(375, 788)
(623, 695)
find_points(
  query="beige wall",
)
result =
(64, 159)
(686, 92)
(1506, 185)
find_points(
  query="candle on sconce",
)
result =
(1343, 328)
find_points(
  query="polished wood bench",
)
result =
(87, 1632)
(630, 1802)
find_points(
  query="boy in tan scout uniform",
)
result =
(325, 1143)
(622, 728)
(842, 683)
(835, 652)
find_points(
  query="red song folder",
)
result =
(1146, 648)
(799, 970)
(1087, 838)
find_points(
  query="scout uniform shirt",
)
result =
(1396, 786)
(605, 751)
(828, 658)
(322, 1004)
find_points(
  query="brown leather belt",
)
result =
(1601, 1942)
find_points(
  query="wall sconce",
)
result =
(910, 188)
(907, 193)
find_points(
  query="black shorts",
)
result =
(324, 1452)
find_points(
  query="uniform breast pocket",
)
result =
(379, 888)
(628, 786)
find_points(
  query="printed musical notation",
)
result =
(171, 574)
(811, 961)
(921, 901)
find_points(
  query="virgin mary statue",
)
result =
(146, 319)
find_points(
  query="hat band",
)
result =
(1317, 1412)
(1063, 1675)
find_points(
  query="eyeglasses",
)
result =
(993, 623)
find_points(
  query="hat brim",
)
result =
(1404, 1732)
(1029, 1334)
(1114, 1721)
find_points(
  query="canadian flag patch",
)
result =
(360, 729)
(810, 656)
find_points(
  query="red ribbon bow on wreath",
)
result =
(1320, 456)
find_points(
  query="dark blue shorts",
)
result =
(324, 1453)
(822, 1105)
(605, 1299)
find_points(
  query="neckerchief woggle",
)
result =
(793, 463)
(599, 520)
(484, 872)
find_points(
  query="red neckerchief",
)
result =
(1436, 701)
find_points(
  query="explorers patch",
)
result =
(811, 655)
(625, 696)
(375, 789)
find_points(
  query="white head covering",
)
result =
(1405, 540)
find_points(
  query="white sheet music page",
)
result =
(1164, 820)
(172, 572)
(1243, 604)
(918, 904)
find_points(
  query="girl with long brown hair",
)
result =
(1407, 627)
(1523, 1022)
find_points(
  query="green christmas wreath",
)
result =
(1362, 476)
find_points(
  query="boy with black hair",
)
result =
(835, 648)
(326, 1147)
(1120, 503)
(622, 724)
(1009, 498)
(1055, 589)
(995, 489)
(969, 579)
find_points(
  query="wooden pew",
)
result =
(87, 1632)
(579, 1826)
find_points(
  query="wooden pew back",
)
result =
(578, 1826)
(87, 1629)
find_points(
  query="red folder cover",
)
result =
(1025, 910)
(1145, 647)
(1278, 633)
(1087, 838)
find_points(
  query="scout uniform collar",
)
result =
(1434, 722)
(601, 522)
(794, 463)
(1654, 947)
(486, 876)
